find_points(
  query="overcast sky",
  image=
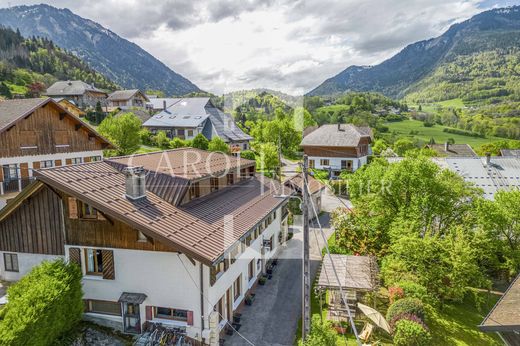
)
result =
(292, 46)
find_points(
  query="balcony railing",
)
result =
(14, 185)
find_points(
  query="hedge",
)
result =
(43, 305)
(406, 306)
(410, 333)
(463, 132)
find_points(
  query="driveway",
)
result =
(273, 317)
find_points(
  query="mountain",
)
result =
(29, 66)
(438, 63)
(120, 60)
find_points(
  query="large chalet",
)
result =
(177, 237)
(82, 94)
(39, 133)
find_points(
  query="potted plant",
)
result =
(250, 298)
(262, 280)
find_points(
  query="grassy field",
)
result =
(403, 128)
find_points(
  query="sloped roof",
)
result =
(12, 111)
(454, 150)
(187, 163)
(225, 126)
(336, 135)
(505, 315)
(196, 229)
(123, 95)
(185, 112)
(510, 152)
(158, 102)
(296, 182)
(69, 88)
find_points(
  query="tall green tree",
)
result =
(267, 158)
(123, 131)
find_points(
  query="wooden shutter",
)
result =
(149, 313)
(1, 173)
(212, 276)
(24, 170)
(68, 161)
(86, 159)
(190, 318)
(73, 208)
(36, 165)
(108, 264)
(75, 255)
(58, 163)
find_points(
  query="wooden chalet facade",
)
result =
(153, 234)
(337, 147)
(82, 94)
(126, 99)
(39, 133)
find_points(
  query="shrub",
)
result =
(322, 334)
(410, 333)
(247, 154)
(43, 305)
(404, 316)
(406, 305)
(415, 290)
(200, 142)
(146, 136)
(161, 140)
(395, 293)
(218, 144)
(177, 143)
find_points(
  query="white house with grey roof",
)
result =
(337, 147)
(82, 94)
(185, 118)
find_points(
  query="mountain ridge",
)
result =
(120, 60)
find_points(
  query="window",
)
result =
(190, 133)
(230, 179)
(47, 164)
(102, 307)
(236, 287)
(324, 162)
(87, 211)
(220, 268)
(251, 270)
(171, 314)
(76, 160)
(180, 132)
(11, 262)
(94, 262)
(213, 184)
(194, 190)
(95, 158)
(311, 164)
(343, 164)
(10, 172)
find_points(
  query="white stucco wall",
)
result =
(26, 261)
(335, 162)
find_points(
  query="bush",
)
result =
(43, 305)
(322, 334)
(177, 143)
(146, 136)
(408, 317)
(406, 305)
(200, 142)
(410, 333)
(247, 154)
(161, 140)
(415, 290)
(218, 144)
(463, 132)
(395, 293)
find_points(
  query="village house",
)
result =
(452, 150)
(337, 147)
(71, 107)
(82, 94)
(40, 133)
(185, 118)
(177, 238)
(127, 99)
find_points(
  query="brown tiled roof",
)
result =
(188, 163)
(505, 315)
(454, 150)
(196, 229)
(12, 111)
(296, 182)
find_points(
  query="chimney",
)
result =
(164, 105)
(135, 182)
(488, 159)
(446, 146)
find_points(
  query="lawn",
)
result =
(403, 128)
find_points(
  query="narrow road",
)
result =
(273, 317)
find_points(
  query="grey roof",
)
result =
(12, 110)
(454, 150)
(336, 135)
(185, 112)
(354, 272)
(510, 152)
(123, 95)
(505, 315)
(503, 172)
(70, 88)
(158, 102)
(225, 127)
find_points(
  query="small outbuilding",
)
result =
(315, 189)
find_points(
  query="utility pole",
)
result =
(306, 283)
(279, 158)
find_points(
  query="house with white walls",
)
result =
(40, 133)
(337, 147)
(177, 238)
